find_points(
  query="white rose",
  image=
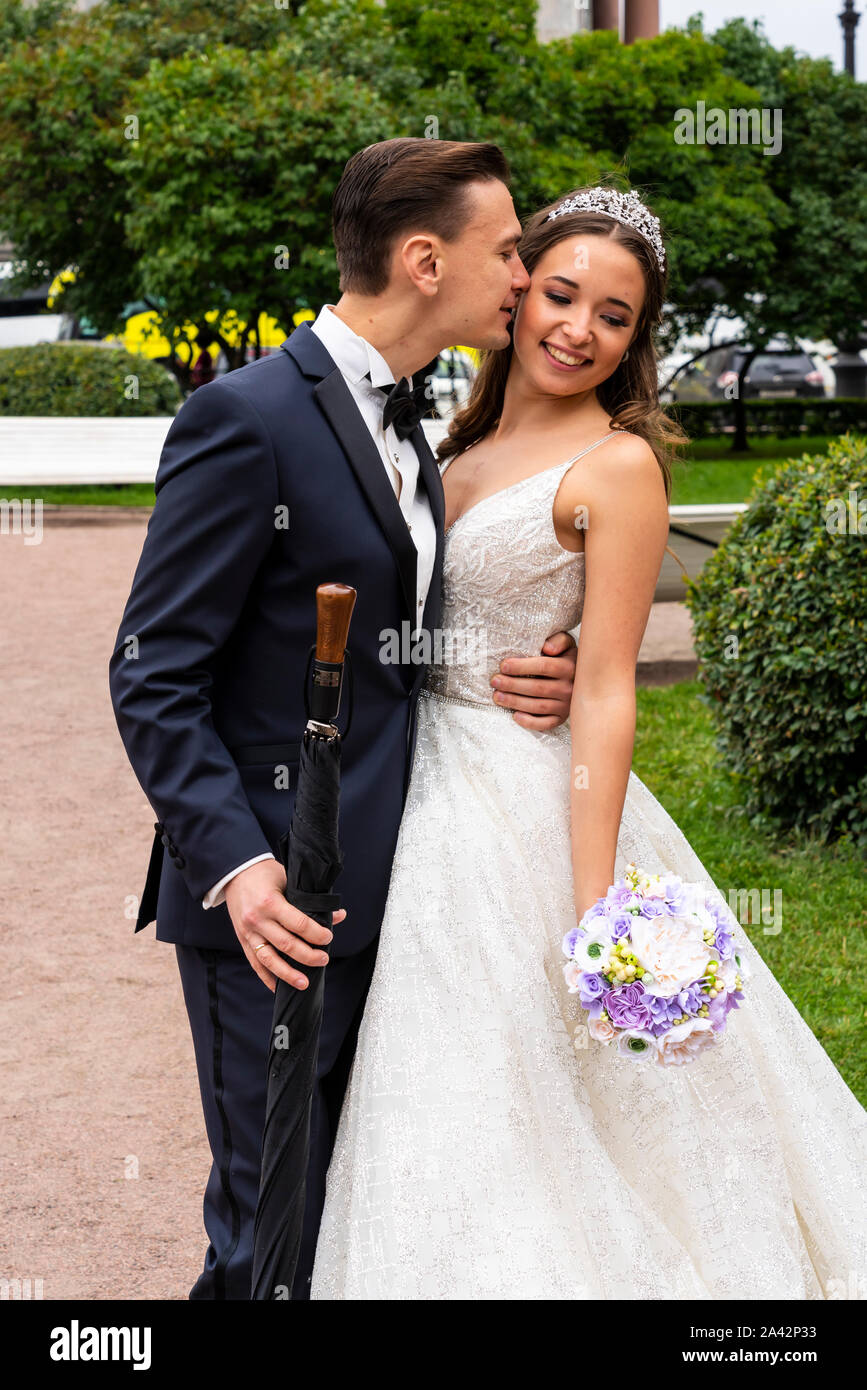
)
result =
(602, 1029)
(593, 951)
(684, 1042)
(626, 1048)
(672, 950)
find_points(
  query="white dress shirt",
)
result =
(356, 357)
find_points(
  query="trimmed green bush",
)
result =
(800, 415)
(83, 379)
(780, 620)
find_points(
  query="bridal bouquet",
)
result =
(655, 965)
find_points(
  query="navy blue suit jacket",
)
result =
(269, 484)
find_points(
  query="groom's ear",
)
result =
(420, 256)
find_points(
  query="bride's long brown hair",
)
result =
(630, 394)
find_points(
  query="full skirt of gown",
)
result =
(481, 1155)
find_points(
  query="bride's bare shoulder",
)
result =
(622, 461)
(624, 450)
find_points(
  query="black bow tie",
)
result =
(401, 408)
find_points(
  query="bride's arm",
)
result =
(625, 538)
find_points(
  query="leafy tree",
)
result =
(64, 82)
(165, 29)
(28, 22)
(171, 147)
(62, 98)
(230, 183)
(492, 47)
(817, 284)
(74, 161)
(820, 176)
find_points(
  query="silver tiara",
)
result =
(623, 207)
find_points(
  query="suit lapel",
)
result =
(335, 398)
(429, 474)
(340, 410)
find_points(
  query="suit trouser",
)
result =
(230, 1013)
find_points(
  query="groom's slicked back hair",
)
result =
(402, 186)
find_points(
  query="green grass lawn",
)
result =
(709, 473)
(88, 495)
(820, 955)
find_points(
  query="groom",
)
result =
(300, 468)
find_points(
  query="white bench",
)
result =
(44, 450)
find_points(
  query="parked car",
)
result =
(783, 372)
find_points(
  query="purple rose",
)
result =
(569, 942)
(723, 941)
(674, 895)
(690, 1000)
(720, 1008)
(620, 895)
(718, 911)
(627, 1007)
(597, 910)
(591, 988)
(662, 1010)
(652, 907)
(620, 924)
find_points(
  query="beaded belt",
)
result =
(459, 700)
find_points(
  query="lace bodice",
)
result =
(508, 584)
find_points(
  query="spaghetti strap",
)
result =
(542, 473)
(610, 435)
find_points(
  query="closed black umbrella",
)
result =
(310, 852)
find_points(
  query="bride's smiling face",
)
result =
(584, 301)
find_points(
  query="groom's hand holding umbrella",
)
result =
(311, 855)
(266, 924)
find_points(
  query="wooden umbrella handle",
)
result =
(334, 605)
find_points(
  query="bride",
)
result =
(483, 1151)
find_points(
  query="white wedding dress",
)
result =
(479, 1154)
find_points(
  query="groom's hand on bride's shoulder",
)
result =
(263, 918)
(539, 688)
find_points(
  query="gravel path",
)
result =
(104, 1157)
